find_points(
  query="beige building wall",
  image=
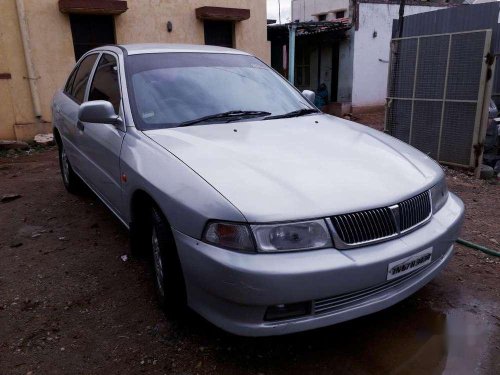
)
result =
(146, 21)
(53, 54)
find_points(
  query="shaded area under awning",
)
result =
(104, 7)
(317, 30)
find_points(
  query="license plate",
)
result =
(406, 265)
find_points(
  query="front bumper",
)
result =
(233, 290)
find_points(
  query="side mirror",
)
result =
(98, 112)
(309, 95)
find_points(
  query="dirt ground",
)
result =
(69, 303)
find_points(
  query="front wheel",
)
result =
(169, 280)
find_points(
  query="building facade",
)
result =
(40, 41)
(319, 10)
(352, 62)
(323, 61)
(372, 40)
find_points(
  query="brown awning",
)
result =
(222, 14)
(93, 6)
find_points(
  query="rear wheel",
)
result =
(169, 280)
(71, 181)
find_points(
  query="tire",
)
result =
(169, 280)
(71, 181)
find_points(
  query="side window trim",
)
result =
(91, 78)
(76, 72)
(71, 79)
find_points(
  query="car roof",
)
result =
(137, 49)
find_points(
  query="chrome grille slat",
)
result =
(377, 224)
(380, 222)
(369, 226)
(340, 226)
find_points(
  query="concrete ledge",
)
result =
(222, 14)
(93, 6)
(26, 132)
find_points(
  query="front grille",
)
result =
(365, 226)
(414, 211)
(329, 304)
(362, 227)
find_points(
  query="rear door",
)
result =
(101, 144)
(66, 109)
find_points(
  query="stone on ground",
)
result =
(44, 139)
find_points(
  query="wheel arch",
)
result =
(141, 204)
(57, 136)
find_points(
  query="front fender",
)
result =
(186, 199)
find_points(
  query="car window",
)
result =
(105, 85)
(82, 77)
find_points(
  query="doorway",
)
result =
(335, 73)
(91, 31)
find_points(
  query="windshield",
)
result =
(169, 89)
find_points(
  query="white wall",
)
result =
(369, 72)
(305, 10)
(346, 57)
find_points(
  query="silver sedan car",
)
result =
(260, 213)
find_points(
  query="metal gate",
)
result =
(436, 91)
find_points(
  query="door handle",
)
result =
(80, 125)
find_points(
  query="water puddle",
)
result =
(405, 339)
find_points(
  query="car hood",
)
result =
(304, 167)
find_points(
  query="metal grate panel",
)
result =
(436, 91)
(466, 62)
(403, 69)
(431, 71)
(457, 135)
(399, 118)
(426, 139)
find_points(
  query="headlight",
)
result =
(439, 195)
(305, 235)
(229, 235)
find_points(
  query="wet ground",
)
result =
(69, 303)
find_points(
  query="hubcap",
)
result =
(157, 261)
(65, 166)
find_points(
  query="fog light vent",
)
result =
(287, 311)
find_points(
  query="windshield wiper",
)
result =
(297, 113)
(230, 116)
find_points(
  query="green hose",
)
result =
(478, 247)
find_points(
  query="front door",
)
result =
(66, 110)
(101, 144)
